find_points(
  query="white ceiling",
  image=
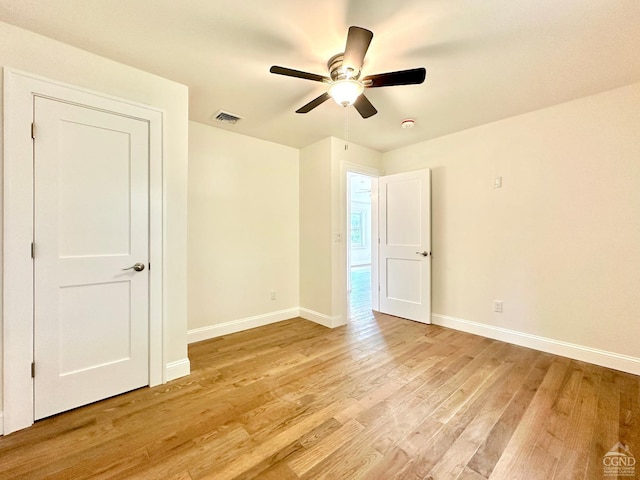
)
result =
(485, 60)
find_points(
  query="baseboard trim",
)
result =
(321, 318)
(233, 326)
(177, 369)
(1, 423)
(603, 358)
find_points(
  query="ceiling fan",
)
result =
(345, 85)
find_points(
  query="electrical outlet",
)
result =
(497, 306)
(497, 182)
(273, 294)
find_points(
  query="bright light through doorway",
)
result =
(360, 238)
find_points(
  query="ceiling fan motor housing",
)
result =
(337, 71)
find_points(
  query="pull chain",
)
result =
(346, 129)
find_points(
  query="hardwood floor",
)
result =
(383, 398)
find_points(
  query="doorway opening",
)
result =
(360, 221)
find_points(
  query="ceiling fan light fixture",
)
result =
(345, 92)
(344, 83)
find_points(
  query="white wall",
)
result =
(316, 230)
(23, 50)
(559, 243)
(243, 237)
(323, 242)
(263, 217)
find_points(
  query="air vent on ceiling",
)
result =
(226, 117)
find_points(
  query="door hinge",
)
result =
(33, 130)
(33, 250)
(33, 369)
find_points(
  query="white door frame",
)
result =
(374, 174)
(17, 284)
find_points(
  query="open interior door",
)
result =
(405, 245)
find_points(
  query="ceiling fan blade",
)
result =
(314, 103)
(358, 40)
(403, 77)
(365, 107)
(289, 72)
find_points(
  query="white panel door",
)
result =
(91, 222)
(405, 245)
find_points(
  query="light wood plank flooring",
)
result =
(383, 398)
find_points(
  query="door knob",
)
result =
(424, 254)
(138, 267)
